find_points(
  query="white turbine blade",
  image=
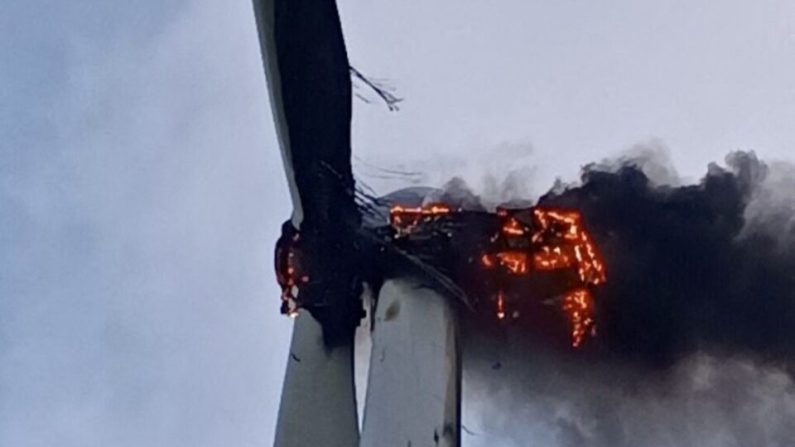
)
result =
(414, 386)
(318, 406)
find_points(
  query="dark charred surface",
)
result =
(316, 92)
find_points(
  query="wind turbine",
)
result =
(413, 393)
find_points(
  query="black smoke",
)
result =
(696, 341)
(685, 271)
(704, 266)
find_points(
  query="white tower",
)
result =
(414, 386)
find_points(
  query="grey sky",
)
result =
(141, 190)
(137, 301)
(577, 80)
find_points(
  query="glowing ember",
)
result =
(513, 227)
(570, 244)
(514, 262)
(524, 245)
(406, 219)
(289, 274)
(500, 305)
(558, 241)
(555, 240)
(578, 307)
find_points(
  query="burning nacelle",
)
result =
(504, 261)
(510, 258)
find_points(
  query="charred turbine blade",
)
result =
(308, 73)
(307, 69)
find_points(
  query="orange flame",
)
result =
(552, 239)
(289, 276)
(406, 219)
(578, 306)
(515, 262)
(557, 240)
(566, 244)
(513, 227)
(573, 246)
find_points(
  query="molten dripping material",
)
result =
(578, 307)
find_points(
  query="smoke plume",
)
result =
(540, 398)
(693, 267)
(696, 326)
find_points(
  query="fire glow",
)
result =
(406, 219)
(530, 241)
(289, 274)
(578, 306)
(503, 261)
(554, 239)
(566, 243)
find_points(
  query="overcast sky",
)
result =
(141, 190)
